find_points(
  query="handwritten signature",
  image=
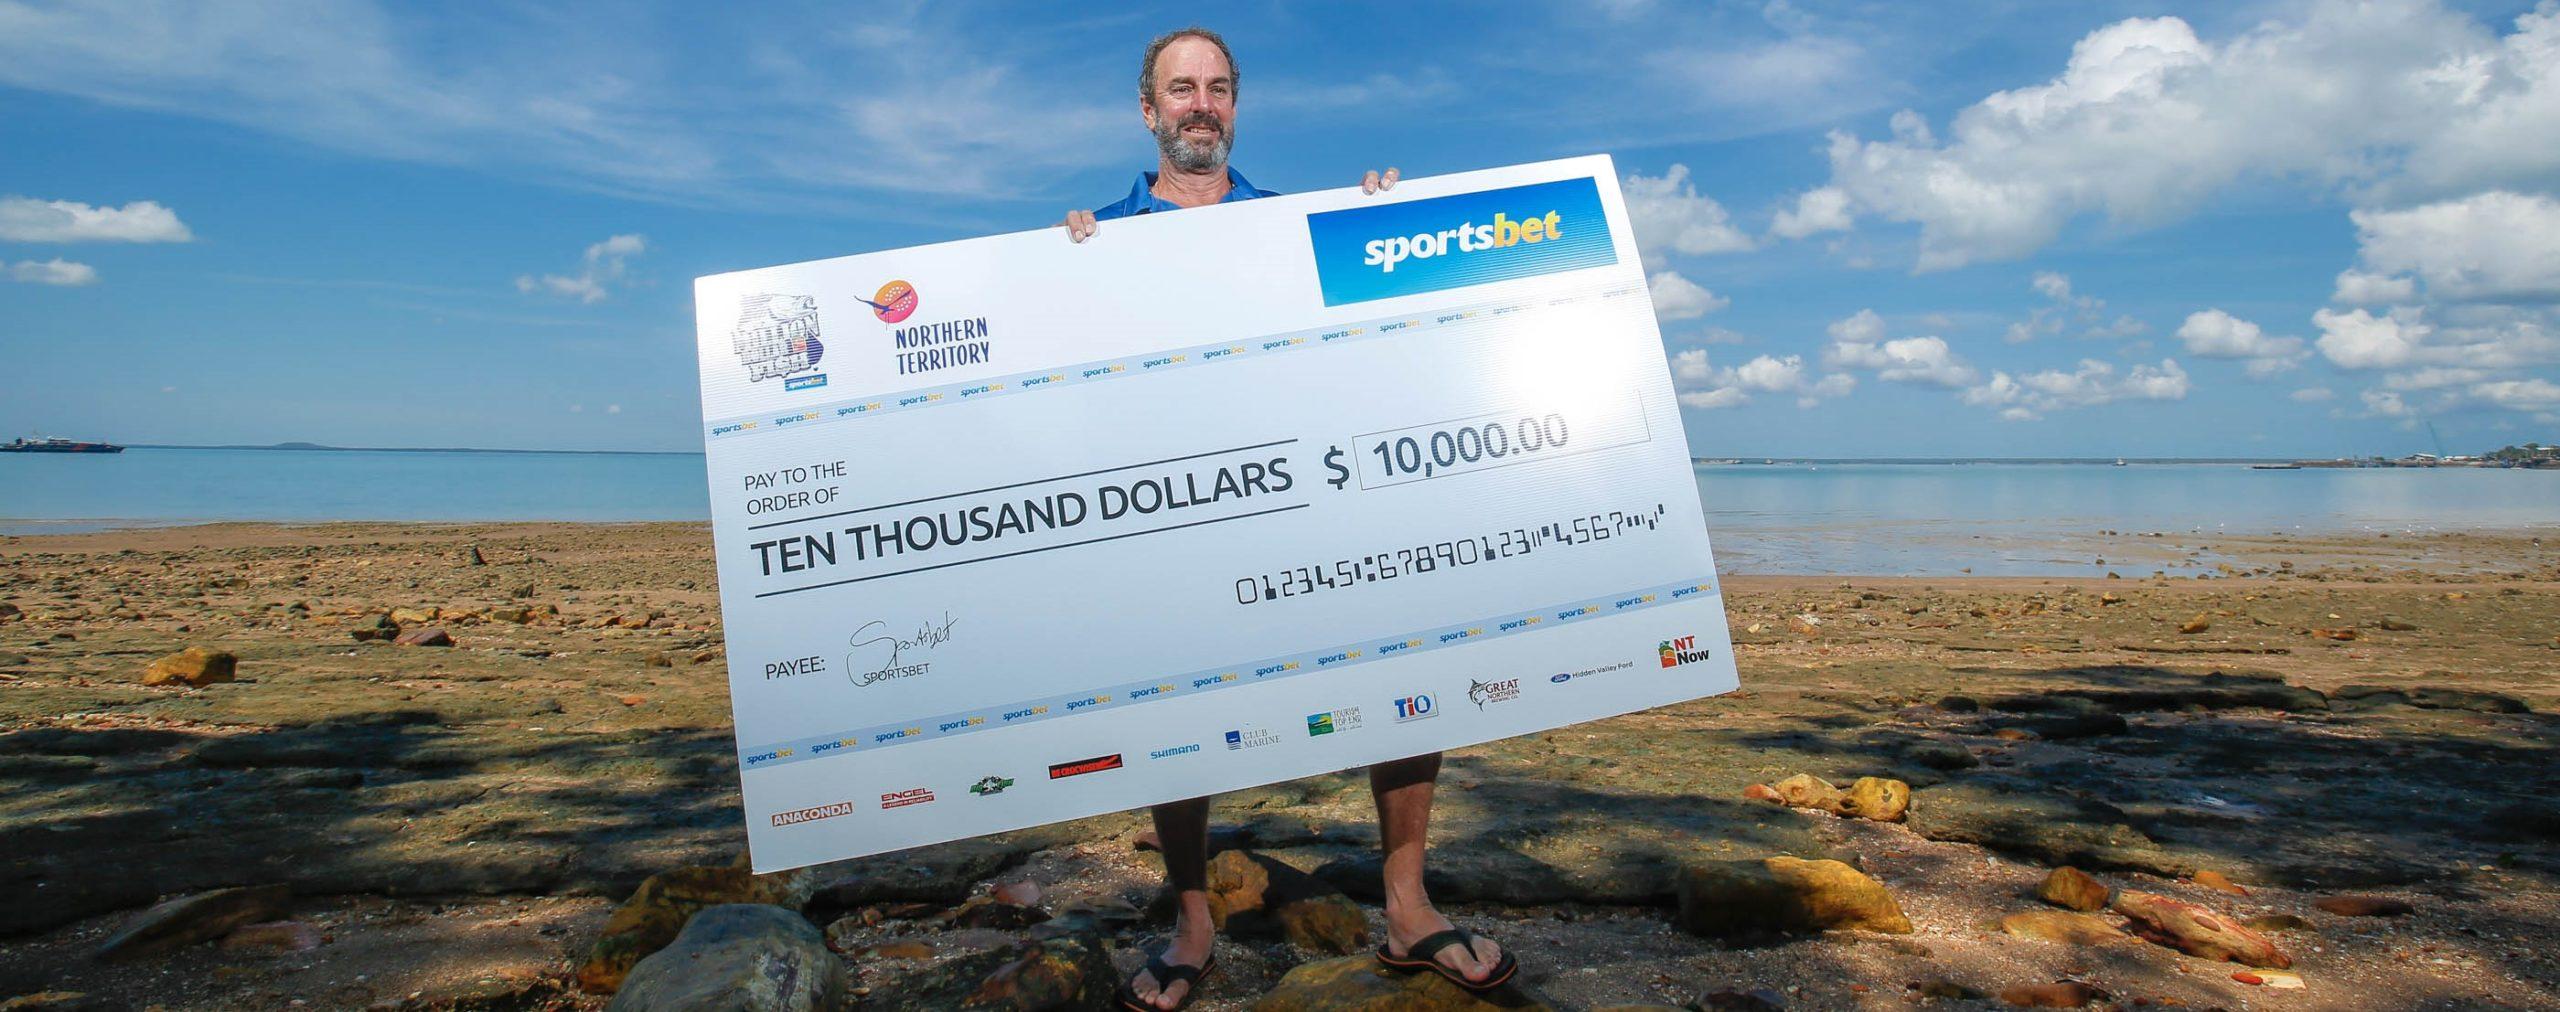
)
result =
(927, 636)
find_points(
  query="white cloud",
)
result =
(26, 219)
(1678, 298)
(1861, 326)
(2385, 404)
(2052, 286)
(2520, 395)
(2212, 333)
(2489, 245)
(2311, 395)
(2357, 339)
(2094, 383)
(1823, 209)
(1670, 216)
(1924, 360)
(607, 266)
(2066, 309)
(2360, 288)
(2382, 98)
(56, 271)
(1703, 385)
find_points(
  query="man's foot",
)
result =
(1190, 949)
(1476, 964)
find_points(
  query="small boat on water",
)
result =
(57, 446)
(2119, 462)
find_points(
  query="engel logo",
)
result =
(893, 303)
(1468, 237)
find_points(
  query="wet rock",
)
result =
(1069, 973)
(2277, 922)
(658, 911)
(741, 956)
(1758, 999)
(2064, 927)
(2197, 931)
(1359, 984)
(195, 667)
(1940, 755)
(2059, 994)
(2219, 882)
(187, 920)
(274, 936)
(1743, 899)
(423, 638)
(2363, 906)
(2073, 889)
(1873, 798)
(1329, 924)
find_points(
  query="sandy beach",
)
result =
(2314, 718)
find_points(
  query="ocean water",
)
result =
(1855, 518)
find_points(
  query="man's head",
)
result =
(1187, 92)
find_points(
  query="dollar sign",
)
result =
(1333, 460)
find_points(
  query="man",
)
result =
(1187, 96)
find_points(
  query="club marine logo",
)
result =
(1483, 693)
(777, 335)
(990, 785)
(1681, 651)
(1416, 707)
(894, 302)
(1250, 737)
(1080, 767)
(812, 814)
(910, 796)
(1345, 719)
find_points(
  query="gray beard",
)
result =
(1187, 156)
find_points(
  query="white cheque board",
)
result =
(1014, 530)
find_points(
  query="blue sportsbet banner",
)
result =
(1420, 246)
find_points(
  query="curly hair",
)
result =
(1147, 67)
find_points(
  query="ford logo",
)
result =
(1561, 678)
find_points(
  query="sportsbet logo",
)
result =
(1379, 251)
(1468, 237)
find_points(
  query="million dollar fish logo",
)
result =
(777, 335)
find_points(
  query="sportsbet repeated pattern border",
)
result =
(875, 738)
(1153, 362)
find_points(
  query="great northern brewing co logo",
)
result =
(1681, 651)
(1481, 693)
(777, 335)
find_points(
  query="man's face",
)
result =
(1193, 109)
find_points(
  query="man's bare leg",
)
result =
(1182, 833)
(1403, 789)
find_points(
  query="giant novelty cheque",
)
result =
(1014, 530)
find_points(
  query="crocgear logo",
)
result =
(1681, 651)
(894, 302)
(794, 818)
(1482, 693)
(1080, 767)
(910, 796)
(777, 335)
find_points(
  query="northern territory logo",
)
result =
(926, 347)
(777, 335)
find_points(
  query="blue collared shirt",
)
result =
(1142, 197)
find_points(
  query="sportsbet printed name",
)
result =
(1468, 237)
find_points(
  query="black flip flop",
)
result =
(1433, 945)
(1166, 975)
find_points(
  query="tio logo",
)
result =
(1416, 707)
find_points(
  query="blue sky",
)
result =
(2087, 228)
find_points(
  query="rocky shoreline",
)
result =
(465, 766)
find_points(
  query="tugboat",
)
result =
(57, 446)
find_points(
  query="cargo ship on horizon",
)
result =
(57, 445)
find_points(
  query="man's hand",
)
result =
(1080, 225)
(1376, 182)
